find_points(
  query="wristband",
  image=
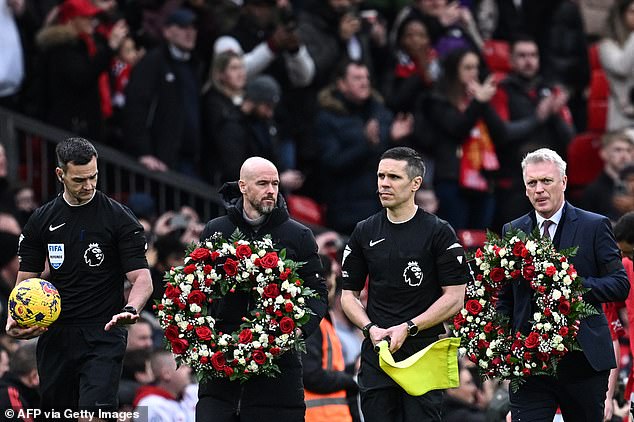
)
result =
(129, 308)
(366, 329)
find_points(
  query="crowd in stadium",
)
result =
(322, 88)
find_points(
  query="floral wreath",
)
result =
(216, 268)
(486, 336)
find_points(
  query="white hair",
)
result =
(544, 155)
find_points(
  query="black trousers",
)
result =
(578, 390)
(392, 404)
(80, 367)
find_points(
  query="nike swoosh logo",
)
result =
(375, 242)
(52, 229)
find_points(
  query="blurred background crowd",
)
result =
(322, 88)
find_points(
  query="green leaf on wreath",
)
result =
(516, 383)
(575, 346)
(236, 236)
(282, 254)
(572, 251)
(586, 310)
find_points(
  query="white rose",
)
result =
(484, 364)
(195, 308)
(556, 294)
(547, 326)
(256, 344)
(242, 361)
(489, 352)
(537, 316)
(262, 253)
(565, 265)
(504, 262)
(462, 351)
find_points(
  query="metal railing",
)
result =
(30, 147)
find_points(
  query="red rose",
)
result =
(259, 357)
(243, 251)
(288, 307)
(275, 351)
(228, 370)
(269, 260)
(214, 255)
(218, 361)
(527, 356)
(542, 356)
(479, 253)
(551, 271)
(488, 327)
(207, 269)
(203, 333)
(547, 312)
(529, 272)
(496, 361)
(271, 291)
(525, 253)
(286, 325)
(180, 346)
(532, 340)
(196, 297)
(458, 321)
(564, 307)
(483, 344)
(171, 333)
(245, 336)
(516, 345)
(563, 331)
(526, 371)
(172, 292)
(516, 274)
(200, 254)
(191, 268)
(284, 275)
(497, 274)
(473, 307)
(230, 267)
(518, 248)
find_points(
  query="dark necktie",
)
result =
(546, 226)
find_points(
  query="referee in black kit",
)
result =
(92, 243)
(417, 272)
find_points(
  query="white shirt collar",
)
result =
(556, 218)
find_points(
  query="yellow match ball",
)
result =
(34, 302)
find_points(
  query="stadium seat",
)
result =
(584, 162)
(598, 94)
(305, 210)
(471, 239)
(593, 57)
(497, 55)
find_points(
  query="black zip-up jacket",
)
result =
(286, 390)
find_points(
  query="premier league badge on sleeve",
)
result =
(56, 254)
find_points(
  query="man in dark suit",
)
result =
(580, 386)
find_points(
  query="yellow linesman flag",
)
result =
(433, 368)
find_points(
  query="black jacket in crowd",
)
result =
(15, 395)
(67, 80)
(156, 119)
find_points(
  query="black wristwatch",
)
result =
(366, 329)
(129, 308)
(412, 329)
